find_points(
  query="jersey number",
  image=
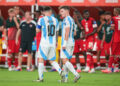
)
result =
(51, 30)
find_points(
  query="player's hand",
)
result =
(6, 42)
(103, 22)
(63, 48)
(101, 45)
(16, 41)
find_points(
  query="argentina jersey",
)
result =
(48, 25)
(68, 22)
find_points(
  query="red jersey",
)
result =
(116, 35)
(89, 25)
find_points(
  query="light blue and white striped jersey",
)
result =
(49, 26)
(68, 22)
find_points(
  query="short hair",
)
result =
(16, 7)
(108, 13)
(10, 10)
(64, 7)
(85, 11)
(101, 12)
(118, 10)
(76, 12)
(47, 8)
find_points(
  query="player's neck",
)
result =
(67, 15)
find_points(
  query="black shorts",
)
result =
(26, 46)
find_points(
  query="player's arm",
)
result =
(100, 27)
(67, 30)
(94, 29)
(17, 35)
(16, 22)
(103, 39)
(39, 26)
(112, 24)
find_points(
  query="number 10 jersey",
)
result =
(49, 26)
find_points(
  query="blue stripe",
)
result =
(62, 31)
(44, 29)
(70, 25)
(50, 23)
(52, 59)
(42, 54)
(67, 54)
(38, 26)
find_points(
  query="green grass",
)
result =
(25, 78)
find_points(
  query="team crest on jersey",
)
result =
(30, 25)
(27, 0)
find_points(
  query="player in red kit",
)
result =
(90, 28)
(115, 47)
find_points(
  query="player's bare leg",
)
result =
(19, 68)
(29, 61)
(78, 63)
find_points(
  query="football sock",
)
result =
(65, 71)
(78, 66)
(71, 68)
(111, 60)
(9, 62)
(56, 66)
(40, 70)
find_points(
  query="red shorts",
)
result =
(115, 48)
(107, 47)
(99, 44)
(13, 47)
(90, 43)
(77, 46)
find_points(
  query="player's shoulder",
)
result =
(33, 22)
(23, 21)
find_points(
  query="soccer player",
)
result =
(108, 33)
(89, 28)
(115, 47)
(1, 30)
(77, 19)
(27, 31)
(12, 25)
(67, 47)
(100, 32)
(47, 50)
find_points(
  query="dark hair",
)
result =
(85, 11)
(108, 13)
(64, 7)
(46, 8)
(76, 12)
(118, 10)
(101, 12)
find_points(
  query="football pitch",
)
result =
(25, 78)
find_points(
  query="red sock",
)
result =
(116, 62)
(45, 63)
(88, 60)
(16, 62)
(111, 61)
(9, 62)
(33, 62)
(91, 62)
